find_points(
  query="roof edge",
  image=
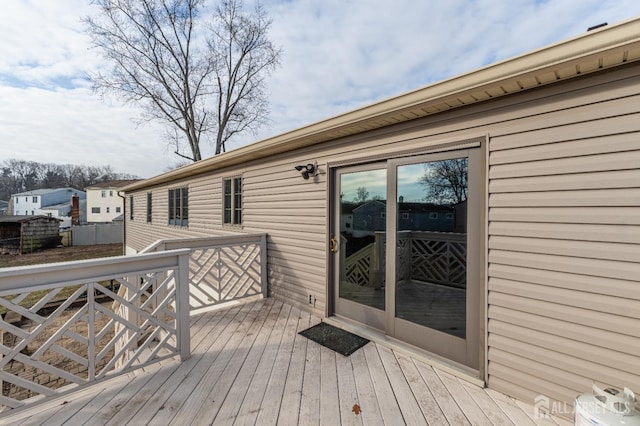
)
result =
(584, 45)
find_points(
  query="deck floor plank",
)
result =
(167, 404)
(249, 365)
(510, 408)
(329, 398)
(251, 404)
(409, 407)
(367, 399)
(227, 326)
(445, 400)
(270, 406)
(239, 388)
(292, 394)
(347, 393)
(310, 398)
(427, 403)
(207, 377)
(471, 410)
(165, 399)
(488, 406)
(391, 413)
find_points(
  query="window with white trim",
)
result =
(232, 201)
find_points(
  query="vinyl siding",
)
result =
(564, 249)
(562, 230)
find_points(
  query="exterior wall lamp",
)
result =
(309, 169)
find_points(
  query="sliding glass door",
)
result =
(406, 250)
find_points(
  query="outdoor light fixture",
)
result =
(310, 169)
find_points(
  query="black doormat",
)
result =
(334, 338)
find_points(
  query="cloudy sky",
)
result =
(338, 55)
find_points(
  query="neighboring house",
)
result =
(55, 202)
(4, 206)
(369, 217)
(545, 251)
(103, 202)
(25, 234)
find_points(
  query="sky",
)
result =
(338, 55)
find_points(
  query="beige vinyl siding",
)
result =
(562, 232)
(564, 249)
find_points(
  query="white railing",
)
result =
(223, 268)
(66, 325)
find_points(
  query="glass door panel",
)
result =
(363, 213)
(431, 245)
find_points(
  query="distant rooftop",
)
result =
(112, 184)
(23, 218)
(46, 191)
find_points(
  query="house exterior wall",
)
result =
(35, 203)
(562, 230)
(110, 205)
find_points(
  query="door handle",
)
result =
(334, 245)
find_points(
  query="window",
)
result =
(95, 209)
(108, 209)
(405, 216)
(103, 194)
(35, 199)
(383, 215)
(17, 200)
(131, 207)
(118, 209)
(179, 206)
(449, 216)
(32, 213)
(110, 193)
(433, 215)
(232, 201)
(149, 211)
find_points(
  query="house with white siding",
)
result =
(104, 204)
(536, 289)
(54, 202)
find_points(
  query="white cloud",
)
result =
(338, 55)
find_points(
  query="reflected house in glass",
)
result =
(418, 216)
(368, 218)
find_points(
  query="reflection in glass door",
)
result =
(431, 244)
(359, 244)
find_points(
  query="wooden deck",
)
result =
(249, 366)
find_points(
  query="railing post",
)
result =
(182, 305)
(263, 266)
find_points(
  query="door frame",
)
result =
(446, 146)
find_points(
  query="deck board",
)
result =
(249, 365)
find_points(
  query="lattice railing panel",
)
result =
(225, 273)
(441, 261)
(78, 330)
(358, 266)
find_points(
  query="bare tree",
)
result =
(242, 57)
(446, 181)
(196, 75)
(361, 195)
